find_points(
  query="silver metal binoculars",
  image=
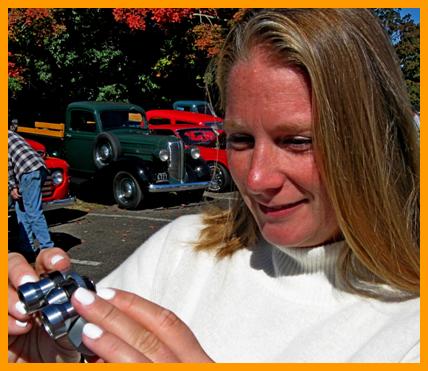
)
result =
(50, 298)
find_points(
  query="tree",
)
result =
(147, 56)
(190, 39)
(150, 57)
(405, 36)
(64, 54)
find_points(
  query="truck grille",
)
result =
(176, 160)
(48, 187)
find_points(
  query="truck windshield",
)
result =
(121, 119)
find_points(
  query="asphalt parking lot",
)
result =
(98, 237)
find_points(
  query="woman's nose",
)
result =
(264, 174)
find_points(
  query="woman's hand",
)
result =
(124, 327)
(28, 341)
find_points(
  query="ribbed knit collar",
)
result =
(291, 261)
(306, 275)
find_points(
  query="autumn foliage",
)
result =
(40, 20)
(209, 38)
(14, 70)
(137, 19)
(208, 33)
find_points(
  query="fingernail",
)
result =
(20, 307)
(84, 296)
(106, 293)
(56, 258)
(27, 278)
(21, 323)
(92, 331)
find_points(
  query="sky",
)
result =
(414, 12)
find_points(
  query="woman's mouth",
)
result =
(281, 210)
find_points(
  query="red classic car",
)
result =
(55, 191)
(175, 117)
(211, 143)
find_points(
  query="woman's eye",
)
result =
(239, 141)
(298, 144)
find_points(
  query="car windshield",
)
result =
(115, 119)
(203, 108)
(201, 137)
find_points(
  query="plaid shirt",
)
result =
(22, 159)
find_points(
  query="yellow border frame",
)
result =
(5, 4)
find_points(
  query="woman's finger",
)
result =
(52, 259)
(109, 347)
(20, 271)
(17, 327)
(164, 324)
(112, 320)
(16, 308)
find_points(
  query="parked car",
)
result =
(211, 144)
(174, 117)
(105, 141)
(197, 106)
(55, 190)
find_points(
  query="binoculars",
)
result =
(50, 299)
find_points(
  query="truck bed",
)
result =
(47, 129)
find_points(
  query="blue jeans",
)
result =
(29, 212)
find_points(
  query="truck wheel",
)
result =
(127, 191)
(220, 177)
(106, 149)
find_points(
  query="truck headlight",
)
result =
(163, 155)
(195, 153)
(57, 177)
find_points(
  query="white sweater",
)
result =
(267, 304)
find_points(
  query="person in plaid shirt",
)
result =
(27, 172)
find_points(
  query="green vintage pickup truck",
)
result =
(111, 141)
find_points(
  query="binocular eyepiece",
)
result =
(50, 298)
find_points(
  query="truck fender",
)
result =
(107, 149)
(134, 166)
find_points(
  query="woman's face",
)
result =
(268, 124)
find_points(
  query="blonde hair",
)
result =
(364, 138)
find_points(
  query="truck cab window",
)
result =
(120, 119)
(83, 121)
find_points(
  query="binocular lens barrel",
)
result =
(33, 294)
(54, 318)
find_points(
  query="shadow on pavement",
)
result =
(63, 216)
(65, 241)
(54, 217)
(93, 191)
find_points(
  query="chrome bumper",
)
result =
(177, 187)
(58, 204)
(50, 205)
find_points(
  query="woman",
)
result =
(318, 259)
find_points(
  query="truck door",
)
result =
(80, 139)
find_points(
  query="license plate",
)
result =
(161, 177)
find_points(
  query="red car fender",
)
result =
(52, 192)
(61, 190)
